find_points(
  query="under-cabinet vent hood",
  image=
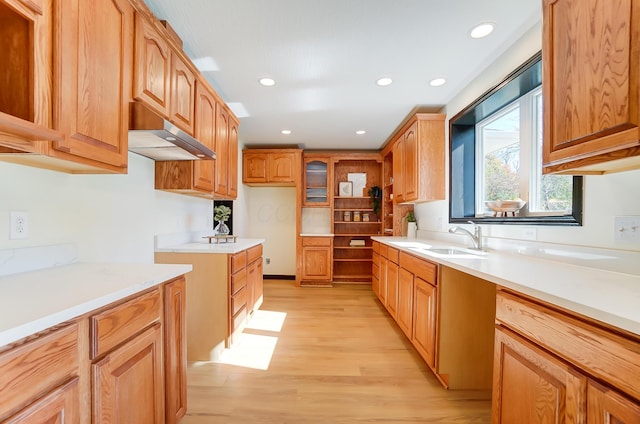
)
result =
(154, 137)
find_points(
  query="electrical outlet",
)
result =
(267, 261)
(19, 226)
(626, 229)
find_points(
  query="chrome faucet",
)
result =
(476, 236)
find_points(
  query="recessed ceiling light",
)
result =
(286, 132)
(360, 132)
(482, 30)
(384, 81)
(267, 82)
(437, 82)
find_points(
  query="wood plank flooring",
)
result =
(337, 358)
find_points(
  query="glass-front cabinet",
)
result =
(317, 181)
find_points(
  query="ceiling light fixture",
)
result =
(384, 81)
(360, 132)
(437, 82)
(267, 82)
(286, 132)
(482, 30)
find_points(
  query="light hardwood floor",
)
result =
(338, 358)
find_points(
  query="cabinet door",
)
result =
(93, 80)
(254, 167)
(60, 406)
(398, 174)
(531, 386)
(591, 69)
(232, 167)
(128, 384)
(425, 320)
(183, 92)
(392, 289)
(409, 166)
(152, 67)
(382, 288)
(405, 302)
(316, 263)
(316, 182)
(175, 350)
(205, 131)
(221, 187)
(605, 406)
(282, 167)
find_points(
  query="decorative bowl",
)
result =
(505, 205)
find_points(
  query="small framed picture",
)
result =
(345, 189)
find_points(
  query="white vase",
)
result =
(412, 227)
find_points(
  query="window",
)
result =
(496, 155)
(509, 162)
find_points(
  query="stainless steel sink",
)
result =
(448, 251)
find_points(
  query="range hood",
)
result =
(154, 137)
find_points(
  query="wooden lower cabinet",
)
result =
(175, 350)
(404, 316)
(425, 319)
(531, 386)
(316, 261)
(60, 406)
(552, 366)
(392, 288)
(128, 384)
(120, 364)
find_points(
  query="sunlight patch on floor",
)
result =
(267, 320)
(250, 351)
(255, 350)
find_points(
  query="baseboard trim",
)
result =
(278, 277)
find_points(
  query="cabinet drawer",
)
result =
(601, 353)
(419, 267)
(238, 300)
(384, 250)
(119, 323)
(238, 319)
(36, 367)
(254, 253)
(238, 281)
(238, 261)
(316, 241)
(393, 255)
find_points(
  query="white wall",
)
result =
(605, 196)
(111, 218)
(271, 214)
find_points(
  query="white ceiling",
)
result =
(326, 55)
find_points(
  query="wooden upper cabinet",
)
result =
(418, 160)
(282, 167)
(205, 131)
(221, 186)
(152, 66)
(317, 181)
(254, 167)
(277, 167)
(92, 77)
(183, 86)
(26, 100)
(232, 171)
(591, 94)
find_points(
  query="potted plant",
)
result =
(221, 214)
(375, 193)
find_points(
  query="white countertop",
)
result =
(34, 301)
(205, 247)
(608, 296)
